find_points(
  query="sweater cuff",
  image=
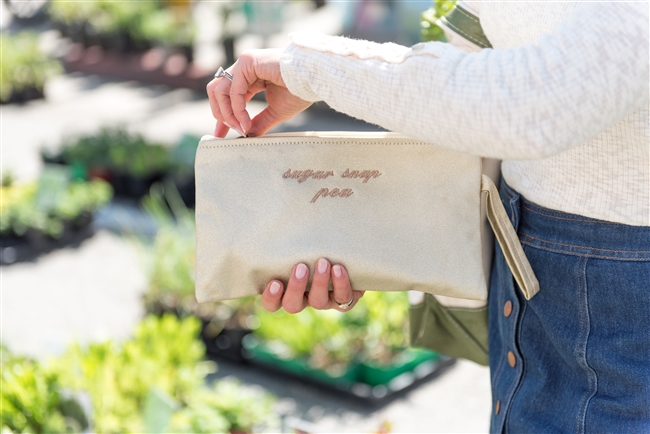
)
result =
(299, 59)
(295, 75)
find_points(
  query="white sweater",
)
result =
(562, 98)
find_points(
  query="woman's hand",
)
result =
(296, 298)
(254, 71)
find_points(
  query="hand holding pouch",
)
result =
(398, 213)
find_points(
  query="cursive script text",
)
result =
(335, 192)
(304, 175)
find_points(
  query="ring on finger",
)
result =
(223, 73)
(348, 304)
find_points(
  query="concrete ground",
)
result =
(93, 291)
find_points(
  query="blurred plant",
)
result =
(7, 178)
(381, 322)
(163, 353)
(167, 27)
(227, 406)
(23, 65)
(48, 204)
(319, 336)
(65, 11)
(32, 399)
(163, 359)
(374, 331)
(429, 29)
(118, 150)
(171, 263)
(142, 21)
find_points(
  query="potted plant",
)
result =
(24, 68)
(155, 382)
(170, 30)
(366, 345)
(50, 212)
(170, 264)
(33, 400)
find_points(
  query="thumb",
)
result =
(263, 122)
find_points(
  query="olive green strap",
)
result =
(467, 25)
(455, 332)
(508, 240)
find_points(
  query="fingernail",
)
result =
(337, 271)
(301, 271)
(274, 288)
(322, 265)
(233, 128)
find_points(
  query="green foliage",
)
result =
(143, 19)
(381, 322)
(164, 353)
(46, 207)
(23, 64)
(171, 262)
(31, 400)
(167, 27)
(162, 362)
(320, 335)
(374, 331)
(429, 29)
(226, 406)
(171, 258)
(118, 150)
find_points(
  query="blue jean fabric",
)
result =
(581, 346)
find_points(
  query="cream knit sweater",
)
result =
(562, 98)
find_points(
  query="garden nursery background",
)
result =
(102, 106)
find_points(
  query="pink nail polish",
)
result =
(301, 271)
(274, 288)
(233, 128)
(337, 271)
(322, 266)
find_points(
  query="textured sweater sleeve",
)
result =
(527, 102)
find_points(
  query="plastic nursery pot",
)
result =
(120, 183)
(139, 186)
(226, 344)
(11, 248)
(375, 374)
(27, 94)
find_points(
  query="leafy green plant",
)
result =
(374, 331)
(381, 322)
(163, 361)
(32, 399)
(167, 27)
(65, 11)
(429, 29)
(46, 206)
(226, 406)
(170, 261)
(23, 65)
(163, 353)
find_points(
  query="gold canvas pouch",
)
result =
(398, 213)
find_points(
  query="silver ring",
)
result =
(223, 73)
(348, 304)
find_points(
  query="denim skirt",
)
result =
(576, 357)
